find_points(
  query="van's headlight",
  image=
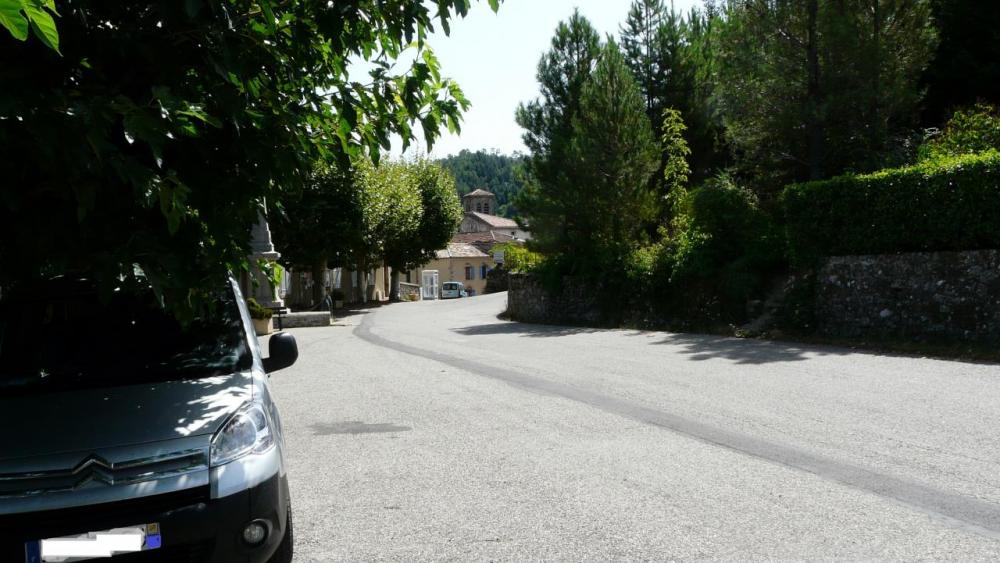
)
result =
(246, 432)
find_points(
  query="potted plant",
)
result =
(338, 298)
(261, 316)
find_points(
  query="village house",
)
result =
(459, 262)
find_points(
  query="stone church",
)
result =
(480, 208)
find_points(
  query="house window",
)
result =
(482, 271)
(486, 208)
(479, 207)
(470, 273)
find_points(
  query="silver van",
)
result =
(126, 433)
(453, 290)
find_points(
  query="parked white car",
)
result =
(453, 290)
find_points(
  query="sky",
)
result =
(493, 57)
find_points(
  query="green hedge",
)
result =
(944, 204)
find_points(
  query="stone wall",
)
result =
(497, 280)
(950, 296)
(574, 302)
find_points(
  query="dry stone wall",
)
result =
(951, 296)
(574, 302)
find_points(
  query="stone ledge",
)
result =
(304, 319)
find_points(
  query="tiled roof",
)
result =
(477, 192)
(460, 250)
(494, 221)
(484, 240)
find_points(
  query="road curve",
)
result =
(738, 449)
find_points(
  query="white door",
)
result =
(429, 285)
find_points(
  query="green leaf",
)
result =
(12, 18)
(44, 26)
(265, 6)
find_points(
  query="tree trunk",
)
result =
(363, 280)
(876, 125)
(385, 279)
(394, 285)
(318, 276)
(814, 126)
(347, 284)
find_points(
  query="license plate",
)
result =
(94, 545)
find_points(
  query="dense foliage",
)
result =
(970, 130)
(815, 88)
(950, 203)
(258, 311)
(719, 252)
(488, 170)
(723, 244)
(153, 135)
(517, 258)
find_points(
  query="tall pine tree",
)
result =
(616, 153)
(645, 49)
(550, 196)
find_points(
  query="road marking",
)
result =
(966, 513)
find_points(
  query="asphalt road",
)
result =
(435, 431)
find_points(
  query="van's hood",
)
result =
(102, 417)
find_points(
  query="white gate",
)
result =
(429, 285)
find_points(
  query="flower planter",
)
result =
(263, 326)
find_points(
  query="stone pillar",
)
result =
(262, 248)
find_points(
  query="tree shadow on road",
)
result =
(524, 329)
(697, 347)
(701, 347)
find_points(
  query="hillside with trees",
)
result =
(489, 170)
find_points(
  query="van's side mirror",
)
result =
(282, 352)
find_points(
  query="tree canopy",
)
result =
(360, 216)
(150, 139)
(814, 88)
(320, 225)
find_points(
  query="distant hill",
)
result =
(489, 170)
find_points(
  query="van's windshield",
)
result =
(451, 285)
(61, 335)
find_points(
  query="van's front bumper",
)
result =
(194, 527)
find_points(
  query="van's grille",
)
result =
(95, 469)
(15, 529)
